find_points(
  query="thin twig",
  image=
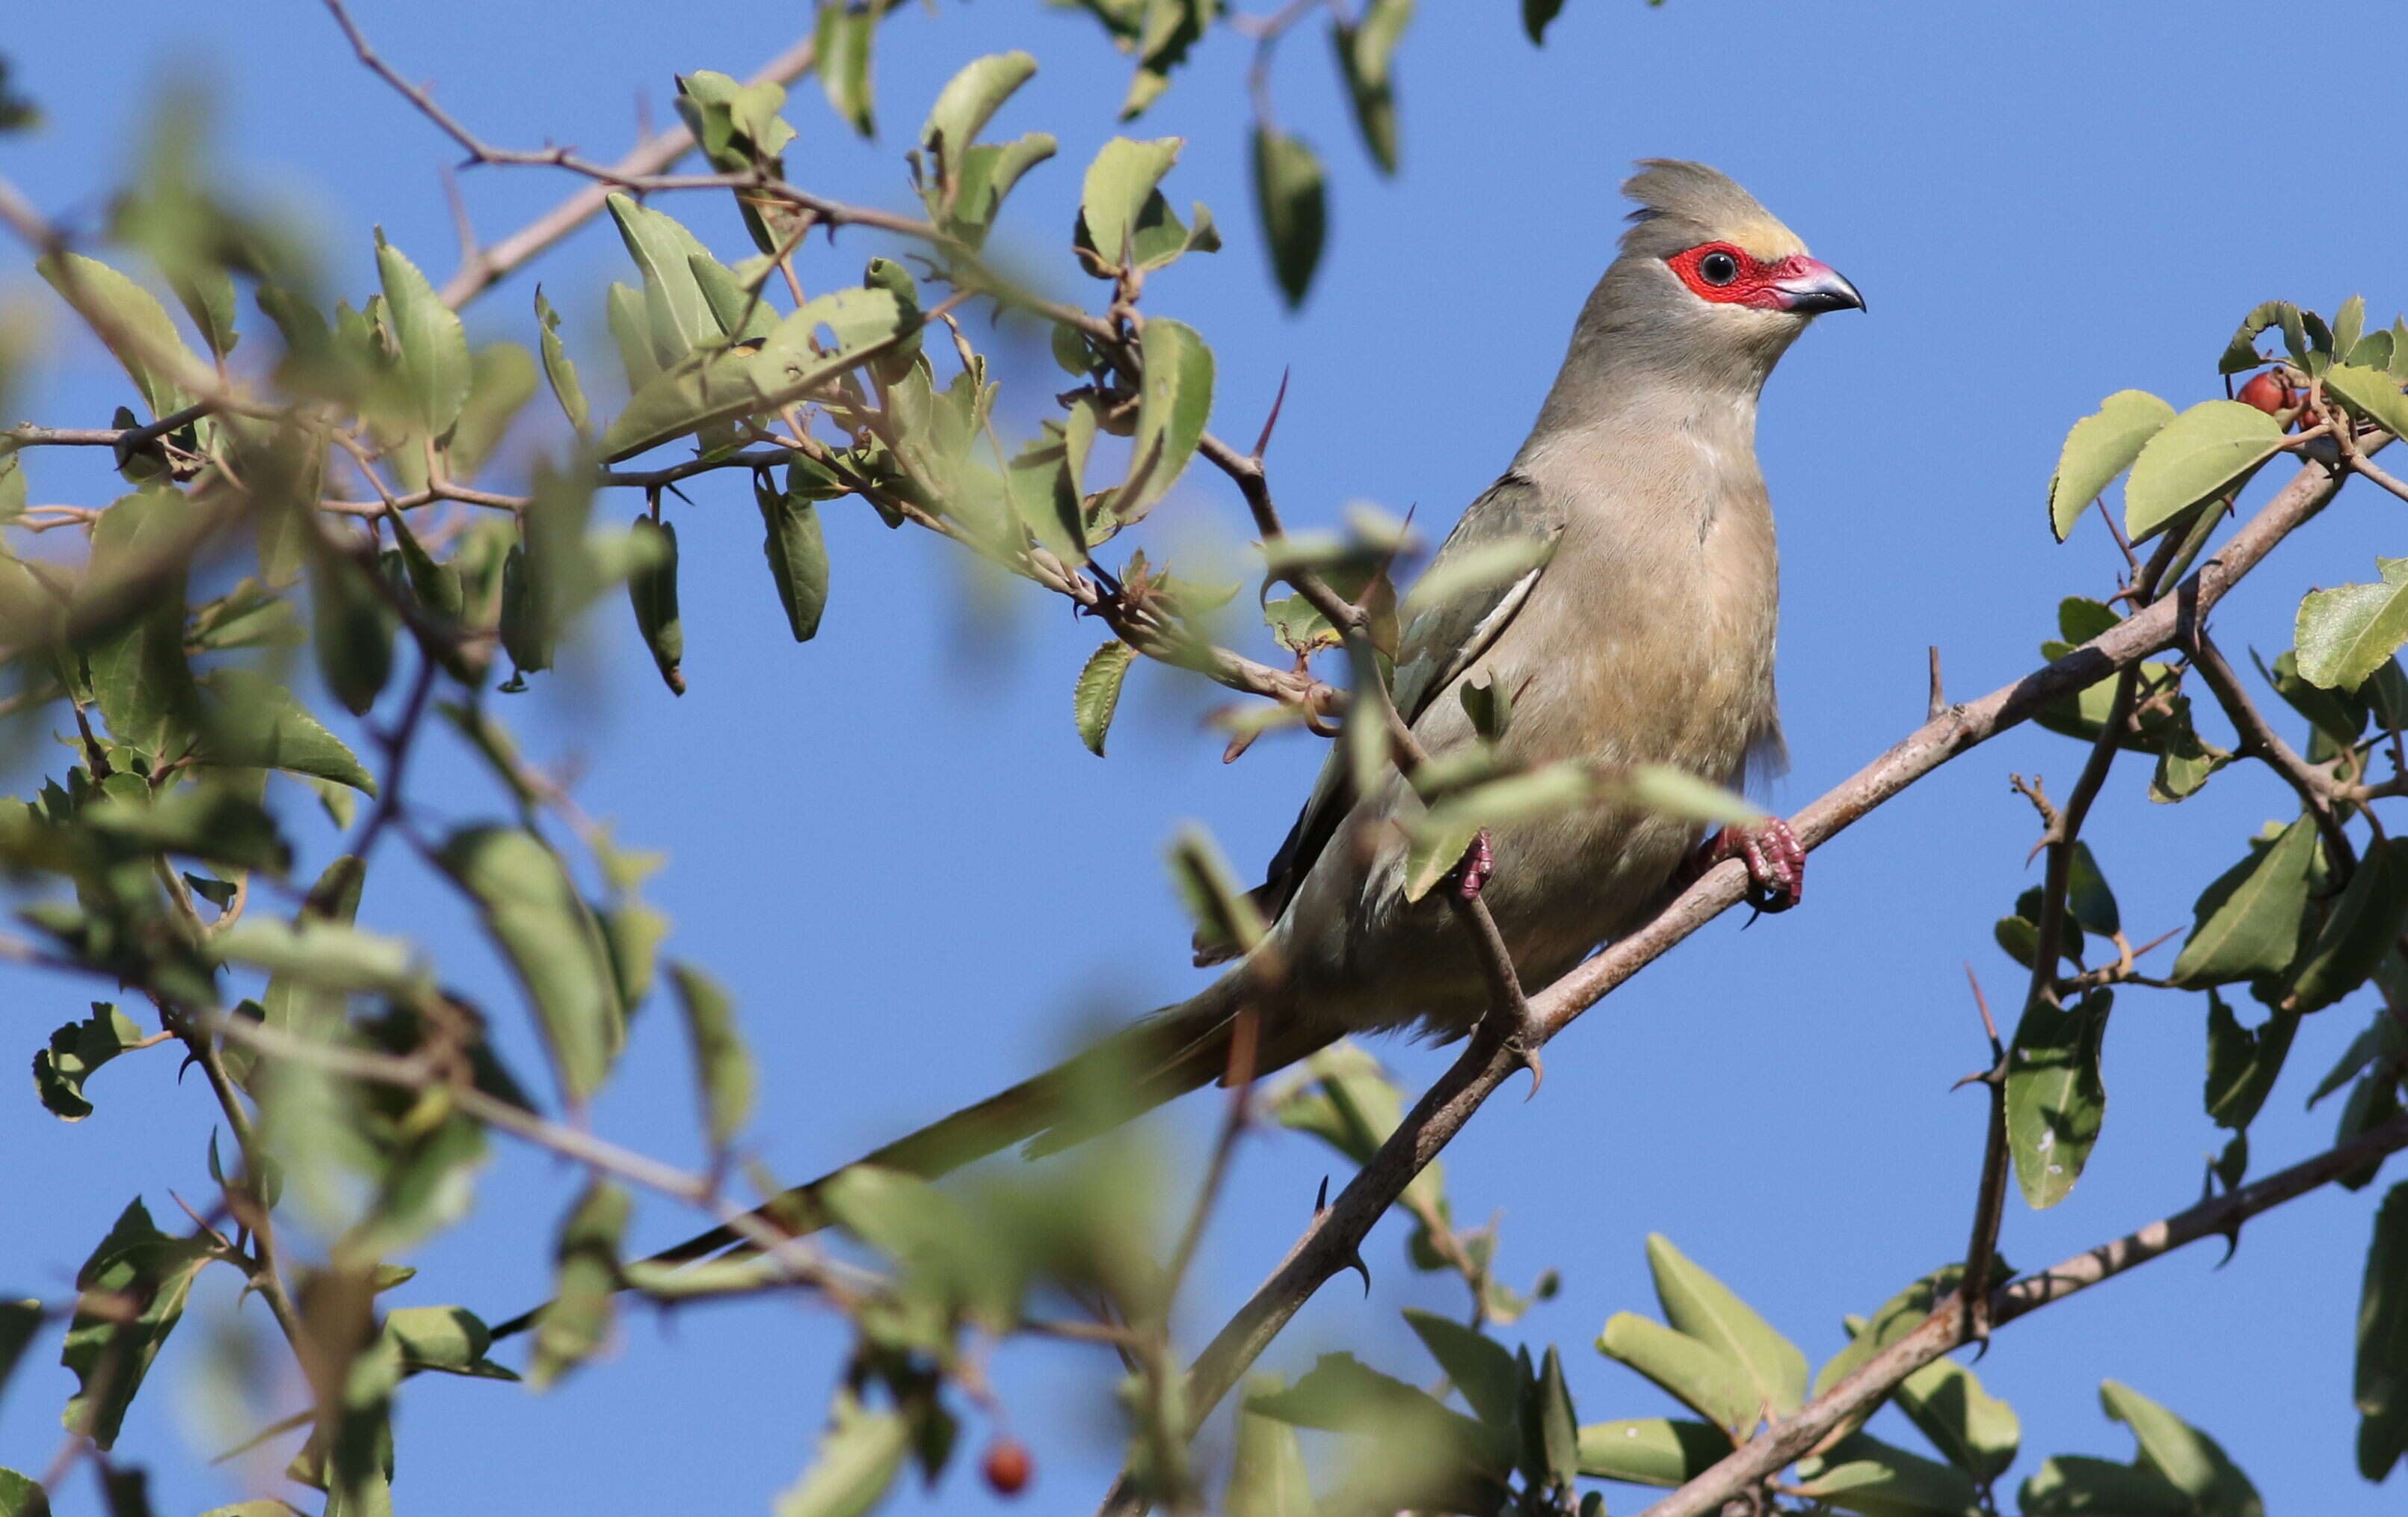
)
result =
(2260, 741)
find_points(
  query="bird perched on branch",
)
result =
(1642, 634)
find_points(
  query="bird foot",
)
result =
(1471, 874)
(1775, 860)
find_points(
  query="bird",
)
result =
(1644, 633)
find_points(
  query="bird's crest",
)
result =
(1682, 202)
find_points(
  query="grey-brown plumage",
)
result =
(1645, 637)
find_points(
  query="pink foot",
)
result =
(1469, 876)
(1776, 862)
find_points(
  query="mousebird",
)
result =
(1644, 636)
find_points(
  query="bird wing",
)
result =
(1510, 528)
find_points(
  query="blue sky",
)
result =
(892, 847)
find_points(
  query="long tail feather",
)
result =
(1161, 1057)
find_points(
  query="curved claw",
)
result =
(1775, 860)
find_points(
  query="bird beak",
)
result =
(1815, 287)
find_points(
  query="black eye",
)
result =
(1718, 268)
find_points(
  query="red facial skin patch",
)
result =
(1756, 282)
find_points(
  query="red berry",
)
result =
(1006, 1466)
(2268, 394)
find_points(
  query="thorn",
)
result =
(1998, 1050)
(1939, 701)
(1355, 1261)
(1527, 1057)
(1320, 1202)
(1272, 420)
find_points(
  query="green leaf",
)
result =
(858, 1458)
(2345, 634)
(1098, 694)
(577, 1319)
(1342, 1394)
(435, 367)
(2190, 1460)
(139, 675)
(1701, 1377)
(737, 126)
(798, 552)
(742, 315)
(1220, 910)
(2056, 1098)
(2370, 393)
(1979, 1433)
(76, 1052)
(652, 591)
(718, 384)
(2208, 449)
(846, 36)
(1119, 184)
(254, 723)
(1481, 1368)
(2381, 1382)
(1173, 403)
(19, 1322)
(132, 1290)
(501, 381)
(1669, 792)
(2101, 446)
(22, 1496)
(2242, 1062)
(213, 821)
(1898, 1316)
(1292, 197)
(1558, 1424)
(988, 173)
(2074, 1486)
(631, 333)
(677, 315)
(1267, 1470)
(1650, 1450)
(2087, 897)
(969, 100)
(541, 924)
(1365, 52)
(722, 1069)
(326, 956)
(130, 322)
(449, 1341)
(206, 294)
(2348, 324)
(2246, 923)
(2357, 930)
(1865, 1475)
(1439, 837)
(352, 626)
(1536, 16)
(557, 369)
(1698, 1303)
(2383, 1039)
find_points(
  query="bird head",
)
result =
(1711, 288)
